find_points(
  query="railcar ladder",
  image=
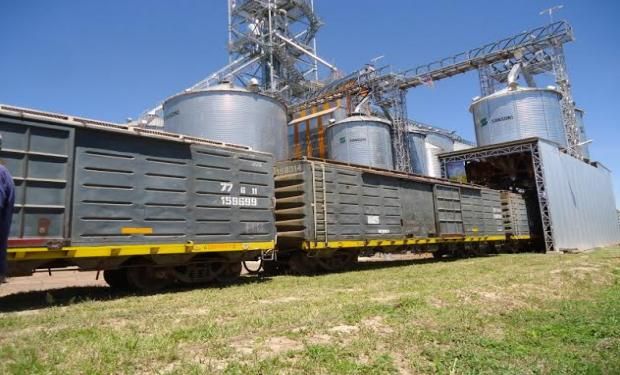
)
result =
(319, 201)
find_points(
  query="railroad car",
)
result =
(145, 207)
(328, 213)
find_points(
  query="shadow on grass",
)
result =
(389, 263)
(41, 299)
(369, 264)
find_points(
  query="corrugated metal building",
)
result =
(574, 199)
(581, 200)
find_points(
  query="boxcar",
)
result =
(327, 213)
(145, 207)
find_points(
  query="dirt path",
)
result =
(43, 281)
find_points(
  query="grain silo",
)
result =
(361, 139)
(230, 114)
(436, 143)
(517, 113)
(416, 141)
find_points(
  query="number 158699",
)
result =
(239, 201)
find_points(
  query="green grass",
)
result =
(528, 313)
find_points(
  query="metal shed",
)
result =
(574, 199)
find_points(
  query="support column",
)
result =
(487, 85)
(398, 116)
(567, 103)
(543, 203)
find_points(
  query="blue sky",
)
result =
(112, 59)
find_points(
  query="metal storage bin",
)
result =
(525, 112)
(230, 114)
(362, 140)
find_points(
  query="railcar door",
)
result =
(40, 159)
(448, 210)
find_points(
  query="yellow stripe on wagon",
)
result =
(133, 230)
(314, 245)
(43, 253)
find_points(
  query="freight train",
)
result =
(150, 208)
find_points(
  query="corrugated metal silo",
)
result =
(361, 139)
(436, 143)
(417, 151)
(458, 146)
(230, 114)
(513, 114)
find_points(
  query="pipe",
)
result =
(316, 62)
(292, 43)
(272, 85)
(358, 107)
(513, 76)
(230, 31)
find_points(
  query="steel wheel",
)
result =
(438, 254)
(229, 272)
(116, 279)
(147, 278)
(338, 261)
(300, 264)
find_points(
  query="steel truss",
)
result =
(396, 105)
(538, 50)
(281, 33)
(539, 177)
(271, 45)
(568, 105)
(531, 48)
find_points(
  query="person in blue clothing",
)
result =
(7, 200)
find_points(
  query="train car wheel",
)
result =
(338, 261)
(477, 250)
(440, 252)
(274, 267)
(230, 272)
(301, 264)
(147, 278)
(116, 279)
